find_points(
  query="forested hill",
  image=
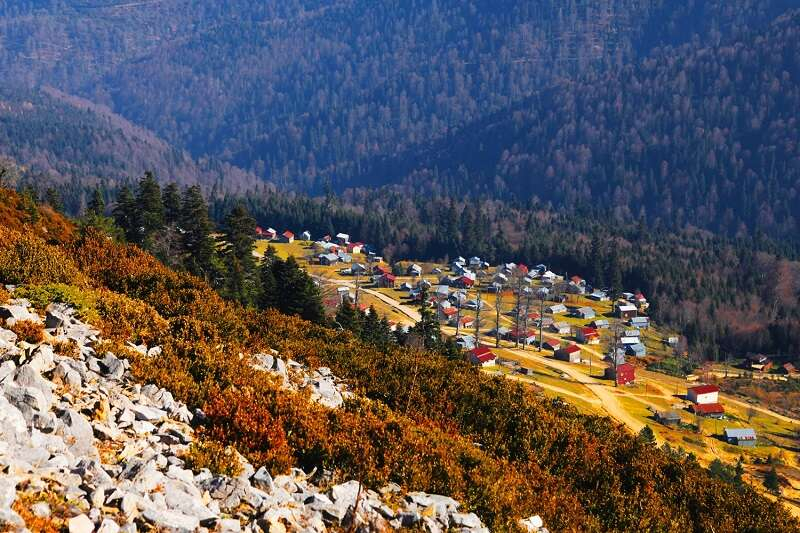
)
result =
(77, 144)
(700, 134)
(308, 91)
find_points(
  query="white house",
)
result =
(703, 394)
(343, 238)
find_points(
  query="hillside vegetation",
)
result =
(501, 449)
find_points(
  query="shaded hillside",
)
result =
(307, 91)
(68, 141)
(701, 135)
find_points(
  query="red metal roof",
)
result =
(389, 277)
(707, 408)
(589, 331)
(467, 281)
(482, 354)
(576, 279)
(288, 234)
(572, 348)
(704, 389)
(450, 311)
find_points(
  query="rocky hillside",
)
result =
(396, 417)
(83, 446)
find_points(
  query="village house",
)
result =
(562, 328)
(448, 314)
(465, 342)
(328, 259)
(620, 357)
(703, 394)
(442, 292)
(705, 401)
(387, 281)
(358, 269)
(640, 322)
(599, 324)
(588, 336)
(637, 350)
(466, 322)
(740, 437)
(556, 309)
(380, 270)
(640, 301)
(758, 363)
(668, 418)
(584, 313)
(571, 354)
(436, 271)
(500, 279)
(414, 270)
(577, 285)
(355, 247)
(287, 237)
(628, 341)
(522, 336)
(551, 344)
(598, 296)
(632, 333)
(788, 369)
(474, 304)
(482, 356)
(305, 236)
(625, 310)
(343, 238)
(502, 332)
(475, 262)
(406, 287)
(464, 282)
(624, 373)
(344, 257)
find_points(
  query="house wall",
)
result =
(709, 397)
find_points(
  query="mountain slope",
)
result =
(702, 135)
(307, 91)
(66, 140)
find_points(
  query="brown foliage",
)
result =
(26, 258)
(216, 457)
(28, 331)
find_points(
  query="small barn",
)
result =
(624, 373)
(571, 354)
(740, 437)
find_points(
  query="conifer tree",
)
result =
(240, 229)
(97, 203)
(125, 213)
(428, 327)
(149, 210)
(172, 204)
(347, 316)
(197, 244)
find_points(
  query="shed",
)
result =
(669, 418)
(741, 437)
(482, 356)
(625, 310)
(637, 350)
(584, 312)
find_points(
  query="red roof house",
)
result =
(387, 281)
(625, 373)
(287, 236)
(465, 283)
(571, 353)
(588, 336)
(713, 410)
(703, 394)
(482, 356)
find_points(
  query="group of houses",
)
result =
(287, 236)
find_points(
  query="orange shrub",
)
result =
(25, 258)
(28, 331)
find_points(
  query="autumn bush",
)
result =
(81, 299)
(216, 457)
(26, 258)
(28, 331)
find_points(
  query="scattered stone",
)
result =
(80, 524)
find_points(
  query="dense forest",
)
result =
(702, 135)
(73, 144)
(308, 92)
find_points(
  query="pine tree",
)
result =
(647, 436)
(172, 204)
(197, 245)
(53, 198)
(239, 234)
(149, 210)
(125, 213)
(347, 316)
(428, 327)
(97, 204)
(772, 481)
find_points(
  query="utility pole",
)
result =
(478, 317)
(541, 319)
(527, 312)
(358, 285)
(616, 348)
(497, 304)
(458, 312)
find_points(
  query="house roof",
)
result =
(704, 389)
(669, 415)
(482, 354)
(625, 367)
(708, 408)
(449, 311)
(740, 433)
(390, 277)
(576, 279)
(572, 348)
(466, 281)
(626, 307)
(330, 257)
(589, 331)
(288, 234)
(466, 320)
